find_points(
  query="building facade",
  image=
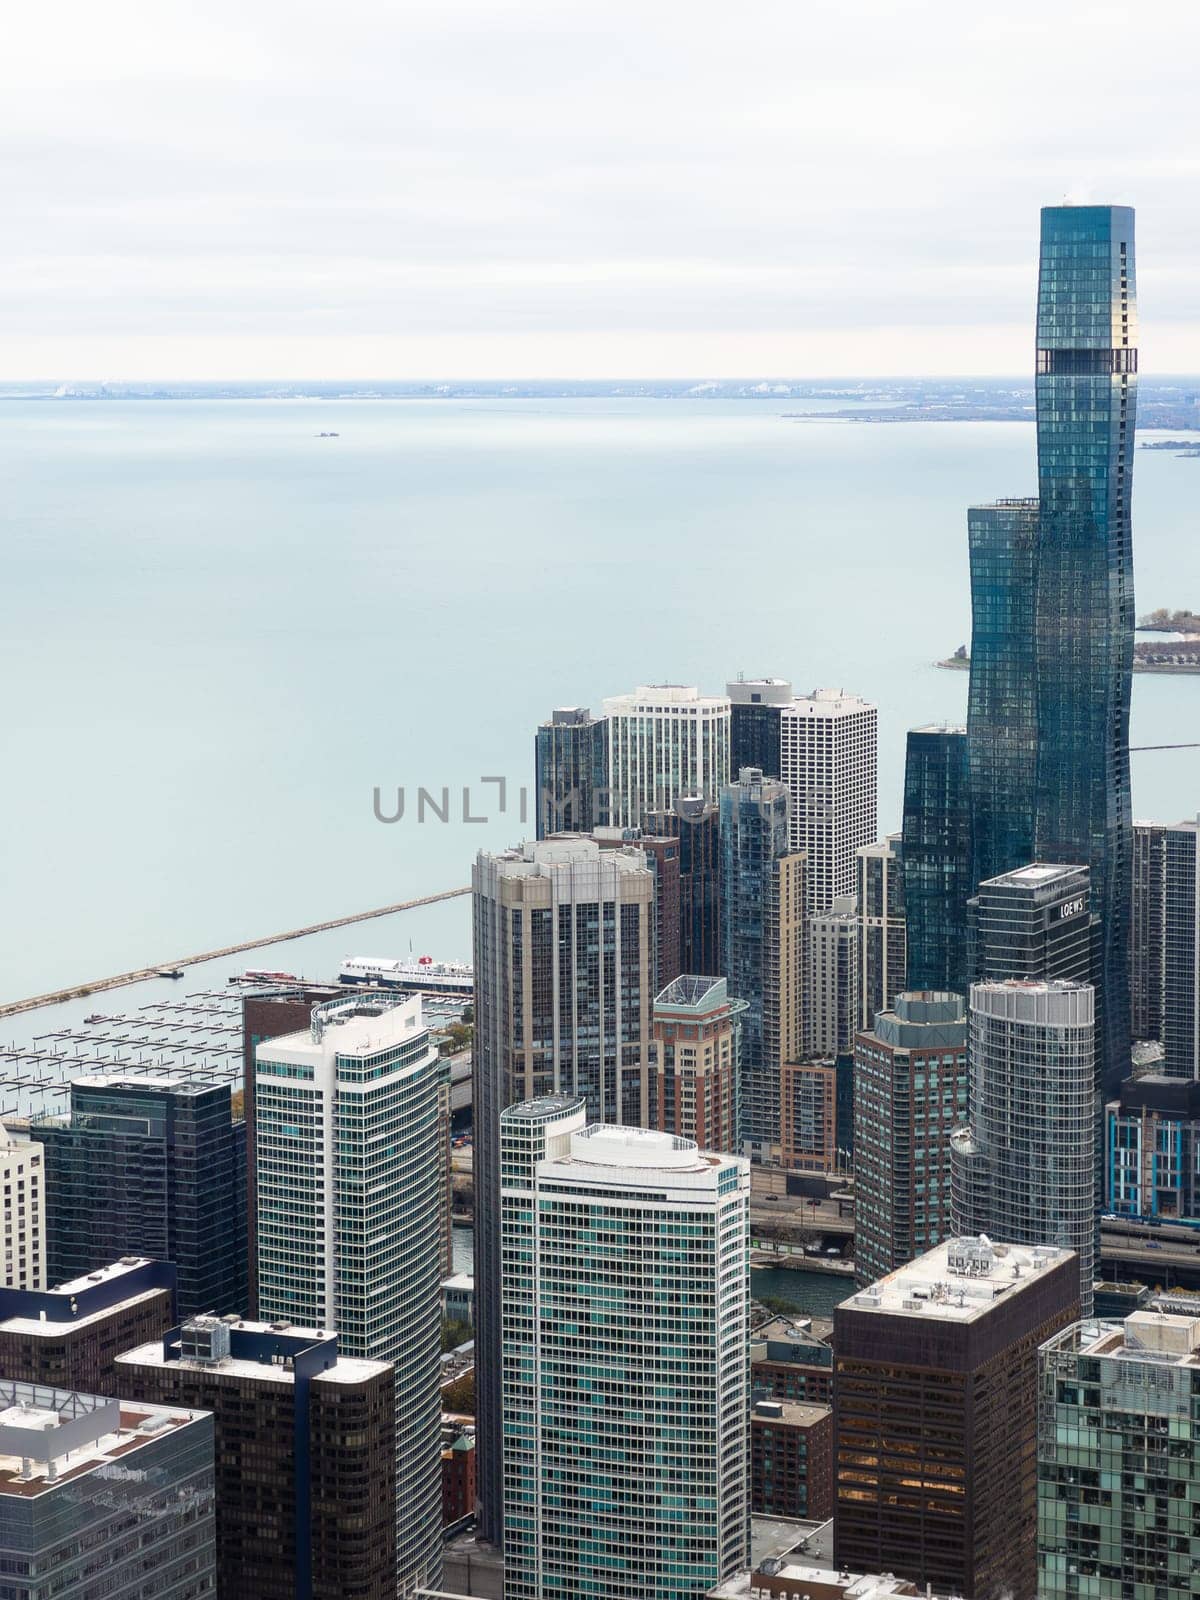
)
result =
(935, 1416)
(149, 1166)
(305, 1454)
(882, 931)
(69, 1337)
(102, 1496)
(1049, 725)
(755, 720)
(1119, 1459)
(834, 1002)
(1147, 930)
(696, 823)
(1152, 1148)
(1002, 736)
(791, 1460)
(571, 772)
(626, 1389)
(937, 858)
(763, 891)
(792, 1360)
(828, 746)
(564, 986)
(1034, 922)
(351, 1167)
(1025, 1169)
(664, 740)
(808, 1128)
(910, 1093)
(22, 1165)
(695, 1062)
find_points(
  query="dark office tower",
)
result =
(763, 892)
(696, 823)
(937, 858)
(571, 762)
(935, 1412)
(910, 1092)
(564, 962)
(1002, 701)
(882, 934)
(305, 1454)
(754, 723)
(1147, 930)
(1181, 951)
(1035, 922)
(153, 1167)
(70, 1337)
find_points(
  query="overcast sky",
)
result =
(554, 188)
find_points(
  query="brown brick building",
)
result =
(791, 1460)
(305, 1455)
(694, 1060)
(935, 1416)
(792, 1361)
(458, 1473)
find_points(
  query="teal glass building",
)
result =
(1053, 605)
(936, 853)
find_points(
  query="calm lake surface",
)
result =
(222, 632)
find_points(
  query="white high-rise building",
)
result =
(664, 741)
(828, 745)
(625, 1309)
(22, 1164)
(350, 1164)
(1025, 1168)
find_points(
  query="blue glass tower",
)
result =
(936, 859)
(1084, 614)
(1053, 607)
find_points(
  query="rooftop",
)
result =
(51, 1436)
(791, 1413)
(1034, 876)
(252, 1345)
(694, 994)
(959, 1281)
(772, 1539)
(82, 1301)
(1157, 1338)
(356, 1024)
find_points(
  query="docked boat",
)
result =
(425, 975)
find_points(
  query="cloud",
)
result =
(667, 176)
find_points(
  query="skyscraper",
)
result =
(755, 713)
(625, 1371)
(664, 740)
(1001, 701)
(910, 1093)
(1034, 922)
(1086, 402)
(935, 1416)
(763, 888)
(1052, 599)
(305, 1454)
(1147, 921)
(1181, 951)
(564, 961)
(571, 769)
(22, 1167)
(696, 823)
(350, 1171)
(937, 858)
(828, 755)
(1026, 1167)
(695, 1058)
(834, 963)
(1119, 1459)
(149, 1166)
(882, 931)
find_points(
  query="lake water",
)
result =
(222, 632)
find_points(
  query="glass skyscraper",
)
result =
(1052, 603)
(936, 856)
